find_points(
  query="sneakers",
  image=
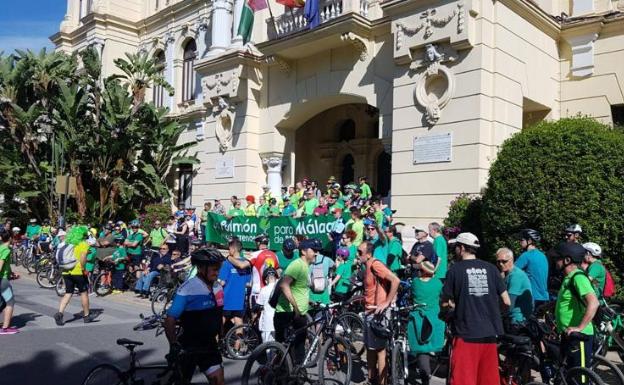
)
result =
(58, 318)
(88, 318)
(9, 330)
(117, 291)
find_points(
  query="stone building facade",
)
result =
(418, 95)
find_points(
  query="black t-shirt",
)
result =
(475, 286)
(425, 248)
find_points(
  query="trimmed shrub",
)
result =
(464, 215)
(554, 174)
(154, 212)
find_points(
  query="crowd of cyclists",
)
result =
(444, 297)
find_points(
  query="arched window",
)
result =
(188, 74)
(159, 91)
(347, 131)
(348, 171)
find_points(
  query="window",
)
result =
(347, 131)
(188, 74)
(185, 191)
(159, 91)
(617, 113)
(348, 172)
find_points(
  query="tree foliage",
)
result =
(57, 117)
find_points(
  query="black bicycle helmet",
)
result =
(262, 239)
(207, 256)
(530, 234)
(268, 271)
(289, 244)
(380, 327)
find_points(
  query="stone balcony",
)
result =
(292, 20)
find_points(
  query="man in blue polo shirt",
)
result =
(234, 282)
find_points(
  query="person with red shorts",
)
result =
(474, 291)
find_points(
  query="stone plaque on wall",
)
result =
(433, 148)
(225, 167)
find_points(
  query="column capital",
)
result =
(273, 161)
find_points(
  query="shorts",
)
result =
(233, 313)
(7, 291)
(207, 363)
(73, 282)
(371, 340)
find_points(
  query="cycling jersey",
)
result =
(259, 261)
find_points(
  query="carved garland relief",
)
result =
(429, 20)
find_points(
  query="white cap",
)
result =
(61, 233)
(593, 248)
(418, 228)
(468, 239)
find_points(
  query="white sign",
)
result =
(433, 148)
(225, 167)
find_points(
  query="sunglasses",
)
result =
(371, 228)
(503, 261)
(360, 252)
(569, 234)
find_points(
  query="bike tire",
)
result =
(249, 341)
(105, 374)
(160, 301)
(43, 278)
(276, 373)
(574, 376)
(397, 366)
(607, 370)
(60, 287)
(102, 289)
(353, 330)
(335, 358)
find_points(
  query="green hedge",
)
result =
(553, 174)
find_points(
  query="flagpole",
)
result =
(272, 18)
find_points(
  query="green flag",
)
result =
(245, 27)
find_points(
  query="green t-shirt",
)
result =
(5, 255)
(310, 205)
(338, 205)
(274, 211)
(90, 263)
(395, 248)
(263, 211)
(344, 283)
(381, 251)
(235, 212)
(366, 191)
(298, 270)
(120, 255)
(135, 237)
(284, 261)
(598, 275)
(294, 200)
(158, 237)
(519, 288)
(358, 227)
(46, 230)
(32, 230)
(569, 310)
(352, 254)
(441, 250)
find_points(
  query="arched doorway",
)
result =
(384, 173)
(342, 141)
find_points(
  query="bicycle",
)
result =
(241, 340)
(398, 360)
(47, 277)
(518, 360)
(169, 374)
(270, 363)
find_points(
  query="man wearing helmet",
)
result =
(474, 290)
(259, 261)
(535, 265)
(576, 305)
(198, 307)
(594, 267)
(573, 233)
(288, 253)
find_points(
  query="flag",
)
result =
(311, 13)
(291, 3)
(247, 18)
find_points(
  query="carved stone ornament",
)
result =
(222, 84)
(429, 21)
(224, 120)
(357, 42)
(282, 64)
(435, 85)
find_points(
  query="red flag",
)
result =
(292, 3)
(257, 5)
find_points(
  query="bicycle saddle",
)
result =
(516, 340)
(126, 342)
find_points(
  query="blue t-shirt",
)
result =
(234, 287)
(519, 288)
(535, 264)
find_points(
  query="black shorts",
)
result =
(233, 313)
(207, 363)
(73, 282)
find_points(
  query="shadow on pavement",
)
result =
(21, 320)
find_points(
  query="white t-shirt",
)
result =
(266, 318)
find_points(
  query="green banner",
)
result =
(220, 228)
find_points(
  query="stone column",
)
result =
(237, 40)
(221, 26)
(170, 70)
(274, 163)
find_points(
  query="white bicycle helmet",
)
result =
(593, 248)
(16, 229)
(574, 228)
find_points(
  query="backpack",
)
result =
(275, 294)
(65, 257)
(318, 280)
(609, 289)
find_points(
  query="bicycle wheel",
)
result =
(160, 301)
(241, 341)
(398, 371)
(102, 285)
(60, 287)
(269, 364)
(105, 374)
(351, 327)
(335, 363)
(607, 370)
(582, 376)
(43, 278)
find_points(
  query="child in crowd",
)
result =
(342, 280)
(119, 258)
(266, 317)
